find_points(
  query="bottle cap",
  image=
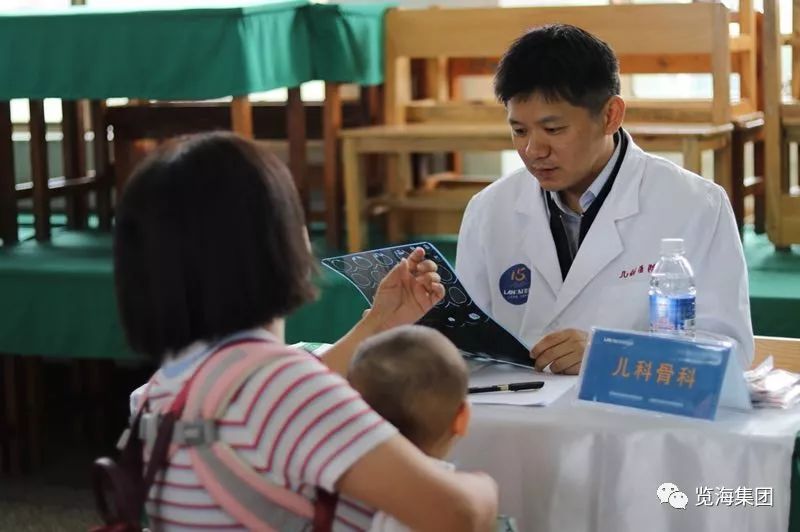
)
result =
(672, 246)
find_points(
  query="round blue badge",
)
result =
(515, 283)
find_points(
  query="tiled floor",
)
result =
(57, 498)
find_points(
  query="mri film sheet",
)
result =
(456, 315)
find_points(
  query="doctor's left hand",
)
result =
(561, 350)
(407, 292)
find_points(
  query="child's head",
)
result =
(415, 378)
(209, 240)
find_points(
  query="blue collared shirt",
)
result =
(572, 219)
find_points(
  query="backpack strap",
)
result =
(244, 493)
(128, 481)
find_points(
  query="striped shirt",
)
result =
(295, 422)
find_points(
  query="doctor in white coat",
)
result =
(567, 243)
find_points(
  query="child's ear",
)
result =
(461, 421)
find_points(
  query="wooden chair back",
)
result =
(785, 352)
(781, 126)
(680, 38)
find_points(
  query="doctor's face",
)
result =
(565, 147)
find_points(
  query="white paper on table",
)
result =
(491, 374)
(761, 371)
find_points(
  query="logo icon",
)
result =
(678, 500)
(671, 494)
(515, 283)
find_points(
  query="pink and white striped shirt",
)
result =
(296, 422)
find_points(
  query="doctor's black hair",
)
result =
(209, 240)
(559, 62)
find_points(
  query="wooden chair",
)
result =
(692, 133)
(747, 128)
(678, 34)
(649, 119)
(8, 198)
(76, 182)
(785, 352)
(139, 128)
(782, 127)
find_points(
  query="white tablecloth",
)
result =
(573, 467)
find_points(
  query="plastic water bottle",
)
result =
(672, 291)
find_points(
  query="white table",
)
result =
(575, 467)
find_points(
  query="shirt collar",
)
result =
(597, 185)
(194, 353)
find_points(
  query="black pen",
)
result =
(513, 387)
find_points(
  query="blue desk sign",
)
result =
(668, 374)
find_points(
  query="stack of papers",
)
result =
(773, 388)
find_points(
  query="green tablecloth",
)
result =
(774, 286)
(187, 54)
(192, 54)
(57, 299)
(347, 42)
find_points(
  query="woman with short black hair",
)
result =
(210, 254)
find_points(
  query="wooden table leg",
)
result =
(12, 415)
(8, 196)
(722, 167)
(39, 171)
(692, 159)
(355, 196)
(33, 410)
(399, 183)
(5, 423)
(737, 178)
(759, 200)
(371, 99)
(774, 203)
(100, 375)
(74, 157)
(242, 116)
(296, 134)
(374, 164)
(77, 388)
(102, 163)
(332, 124)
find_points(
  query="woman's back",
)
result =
(295, 422)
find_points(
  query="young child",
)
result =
(415, 378)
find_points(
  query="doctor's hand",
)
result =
(561, 350)
(407, 293)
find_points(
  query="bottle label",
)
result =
(671, 313)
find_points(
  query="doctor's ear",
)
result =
(613, 114)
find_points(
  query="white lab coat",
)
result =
(506, 225)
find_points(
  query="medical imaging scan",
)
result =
(456, 315)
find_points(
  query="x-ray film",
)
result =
(456, 316)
